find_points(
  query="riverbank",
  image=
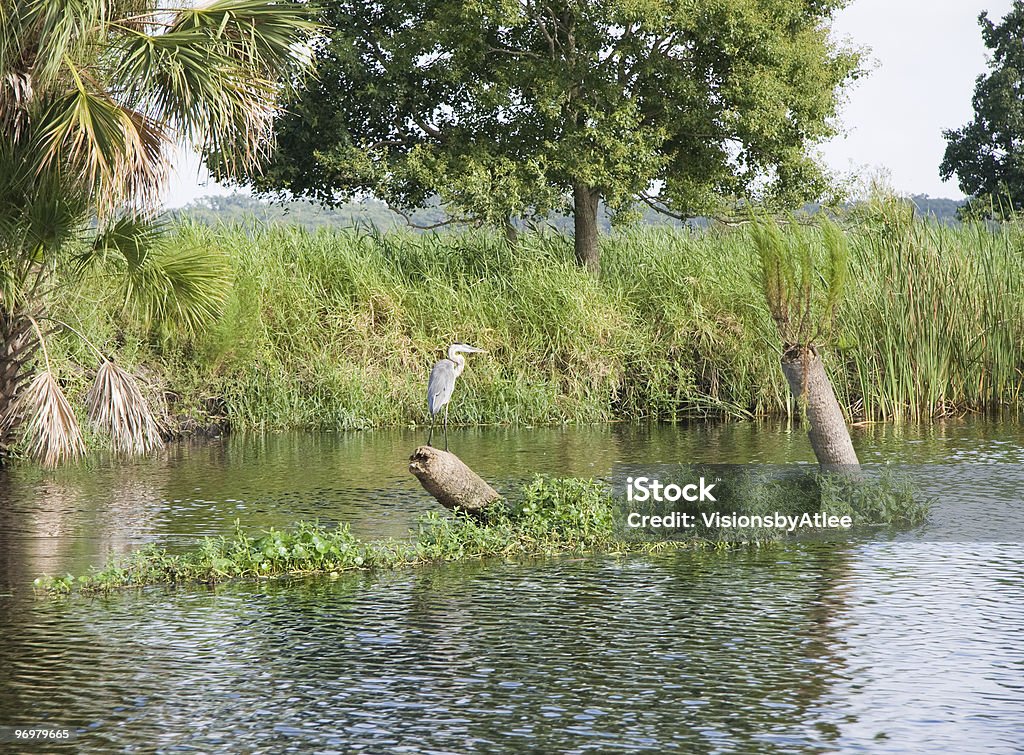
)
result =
(338, 329)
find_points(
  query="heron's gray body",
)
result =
(442, 384)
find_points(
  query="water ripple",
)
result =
(894, 645)
(824, 649)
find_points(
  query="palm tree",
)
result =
(802, 295)
(94, 97)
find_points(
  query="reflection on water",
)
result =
(903, 646)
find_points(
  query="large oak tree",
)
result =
(517, 107)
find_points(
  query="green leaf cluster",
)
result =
(802, 275)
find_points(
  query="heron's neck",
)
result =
(460, 363)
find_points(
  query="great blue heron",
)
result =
(442, 383)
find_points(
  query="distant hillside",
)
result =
(242, 208)
(942, 210)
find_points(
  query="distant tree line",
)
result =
(244, 208)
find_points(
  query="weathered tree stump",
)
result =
(455, 486)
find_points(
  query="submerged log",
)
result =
(829, 436)
(446, 477)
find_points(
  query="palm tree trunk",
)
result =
(829, 436)
(455, 486)
(18, 346)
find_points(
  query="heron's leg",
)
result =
(431, 433)
(446, 427)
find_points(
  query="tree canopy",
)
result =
(987, 155)
(515, 108)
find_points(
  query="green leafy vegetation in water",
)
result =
(550, 516)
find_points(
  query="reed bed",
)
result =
(338, 328)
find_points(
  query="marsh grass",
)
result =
(337, 329)
(934, 324)
(549, 516)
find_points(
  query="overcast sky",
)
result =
(925, 55)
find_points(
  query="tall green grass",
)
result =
(338, 329)
(934, 322)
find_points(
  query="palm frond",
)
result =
(161, 284)
(47, 421)
(130, 236)
(41, 35)
(100, 88)
(198, 89)
(16, 94)
(215, 74)
(260, 34)
(181, 287)
(118, 151)
(50, 216)
(116, 405)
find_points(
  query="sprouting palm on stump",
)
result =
(802, 295)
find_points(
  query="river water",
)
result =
(911, 642)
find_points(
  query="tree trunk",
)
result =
(18, 346)
(511, 233)
(585, 199)
(828, 433)
(451, 482)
